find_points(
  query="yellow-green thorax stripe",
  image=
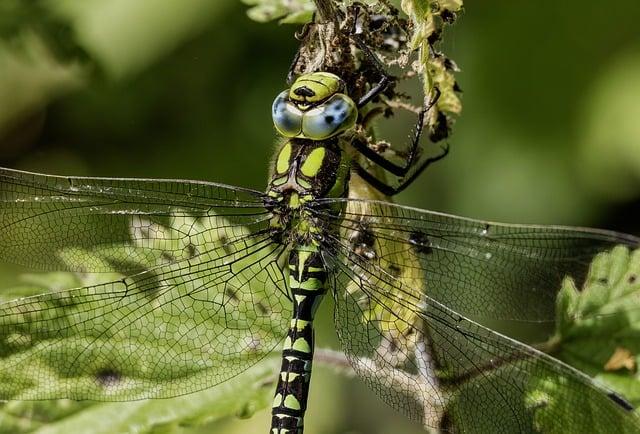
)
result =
(313, 163)
(282, 163)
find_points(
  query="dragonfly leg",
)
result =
(407, 172)
(384, 80)
(389, 190)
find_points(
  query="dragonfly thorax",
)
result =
(305, 170)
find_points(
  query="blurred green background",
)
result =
(550, 130)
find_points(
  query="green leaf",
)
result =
(597, 332)
(285, 11)
(239, 397)
(552, 395)
(152, 368)
(603, 319)
(428, 19)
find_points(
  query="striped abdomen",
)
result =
(307, 278)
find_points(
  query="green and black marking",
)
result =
(311, 164)
(307, 285)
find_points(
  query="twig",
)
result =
(326, 10)
(334, 359)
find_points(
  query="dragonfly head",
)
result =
(314, 88)
(314, 108)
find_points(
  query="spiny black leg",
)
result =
(419, 127)
(387, 189)
(414, 148)
(404, 183)
(383, 188)
(378, 159)
(413, 154)
(384, 81)
(378, 88)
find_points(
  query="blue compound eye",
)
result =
(333, 117)
(287, 118)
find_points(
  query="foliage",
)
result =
(241, 395)
(39, 17)
(597, 332)
(48, 49)
(285, 11)
(598, 326)
(428, 19)
(238, 397)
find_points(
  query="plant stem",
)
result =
(326, 10)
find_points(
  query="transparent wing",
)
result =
(480, 269)
(441, 368)
(40, 215)
(207, 301)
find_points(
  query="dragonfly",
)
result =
(220, 276)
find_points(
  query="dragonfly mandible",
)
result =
(221, 275)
